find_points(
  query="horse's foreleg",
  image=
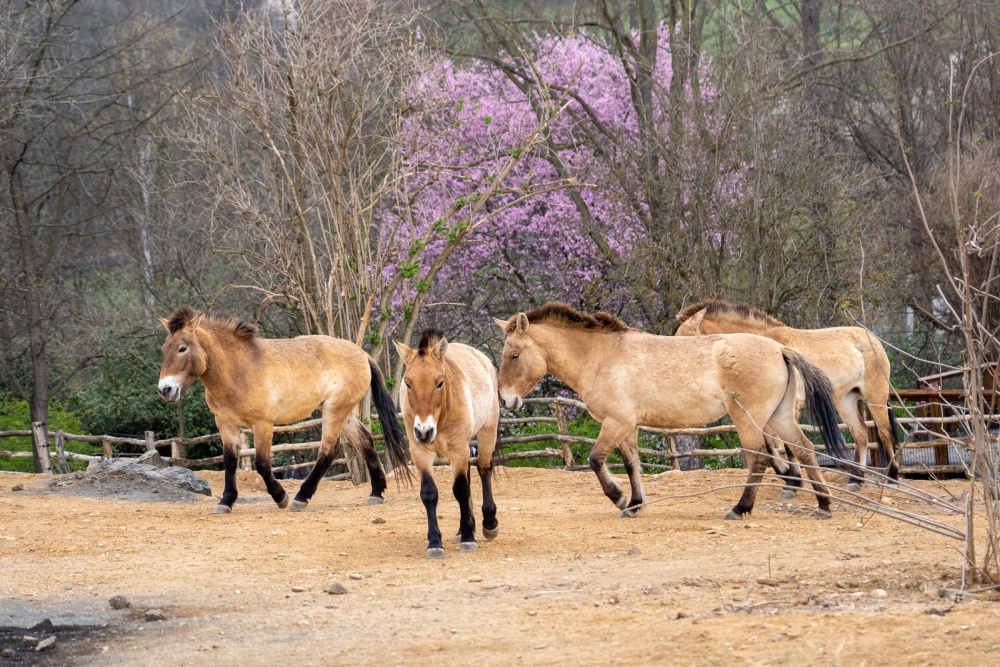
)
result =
(805, 452)
(487, 438)
(612, 433)
(629, 449)
(362, 439)
(263, 433)
(424, 461)
(463, 494)
(887, 437)
(752, 441)
(230, 458)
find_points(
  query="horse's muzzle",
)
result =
(169, 391)
(426, 435)
(511, 402)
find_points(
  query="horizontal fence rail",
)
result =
(922, 425)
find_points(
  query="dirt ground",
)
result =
(566, 582)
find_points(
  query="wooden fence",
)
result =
(933, 410)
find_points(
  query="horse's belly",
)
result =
(682, 414)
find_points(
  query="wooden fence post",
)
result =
(61, 452)
(177, 451)
(246, 463)
(567, 451)
(150, 439)
(675, 462)
(106, 444)
(40, 441)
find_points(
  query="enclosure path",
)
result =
(566, 582)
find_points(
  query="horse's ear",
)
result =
(522, 323)
(196, 322)
(442, 347)
(696, 319)
(165, 322)
(501, 323)
(405, 352)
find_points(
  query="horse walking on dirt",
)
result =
(450, 394)
(255, 382)
(629, 378)
(851, 357)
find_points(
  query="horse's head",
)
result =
(425, 382)
(522, 363)
(184, 358)
(694, 325)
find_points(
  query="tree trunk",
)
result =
(39, 400)
(686, 443)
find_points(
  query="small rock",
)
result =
(767, 581)
(119, 602)
(378, 520)
(532, 613)
(155, 615)
(879, 593)
(46, 643)
(634, 551)
(298, 589)
(613, 599)
(475, 579)
(69, 587)
(336, 589)
(17, 487)
(355, 576)
(540, 647)
(681, 615)
(7, 653)
(43, 626)
(79, 474)
(776, 638)
(28, 639)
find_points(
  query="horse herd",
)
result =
(724, 359)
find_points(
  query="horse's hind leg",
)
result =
(487, 438)
(611, 435)
(230, 456)
(788, 471)
(847, 406)
(333, 420)
(629, 450)
(887, 436)
(793, 436)
(362, 439)
(263, 433)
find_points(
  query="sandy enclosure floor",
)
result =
(567, 582)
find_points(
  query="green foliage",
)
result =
(15, 415)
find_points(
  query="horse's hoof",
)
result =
(375, 500)
(733, 516)
(786, 494)
(629, 514)
(853, 487)
(621, 503)
(491, 533)
(435, 553)
(458, 538)
(283, 503)
(222, 509)
(821, 514)
(470, 546)
(298, 505)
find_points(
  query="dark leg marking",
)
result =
(490, 524)
(467, 523)
(375, 472)
(273, 487)
(308, 488)
(429, 495)
(230, 493)
(608, 485)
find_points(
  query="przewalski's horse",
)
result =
(629, 378)
(449, 394)
(851, 357)
(255, 382)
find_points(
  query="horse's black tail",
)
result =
(820, 402)
(392, 432)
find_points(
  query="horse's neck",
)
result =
(220, 366)
(749, 326)
(571, 354)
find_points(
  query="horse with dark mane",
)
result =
(256, 382)
(852, 357)
(629, 378)
(450, 394)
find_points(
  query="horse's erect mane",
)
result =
(429, 340)
(217, 321)
(720, 309)
(564, 315)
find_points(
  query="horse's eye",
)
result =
(440, 384)
(515, 356)
(182, 349)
